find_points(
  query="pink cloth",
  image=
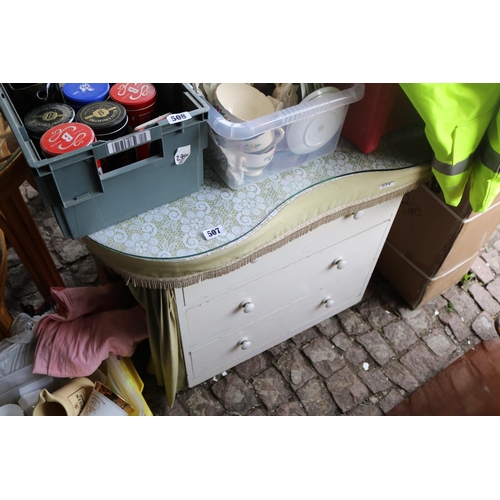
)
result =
(89, 323)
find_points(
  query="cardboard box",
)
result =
(432, 245)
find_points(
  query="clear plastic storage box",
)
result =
(296, 135)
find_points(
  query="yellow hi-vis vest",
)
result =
(485, 182)
(457, 116)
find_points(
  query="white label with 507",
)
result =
(214, 232)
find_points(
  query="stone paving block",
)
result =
(347, 389)
(342, 341)
(271, 388)
(400, 334)
(462, 303)
(491, 257)
(200, 402)
(72, 251)
(484, 327)
(329, 327)
(234, 395)
(321, 353)
(436, 304)
(305, 336)
(396, 372)
(157, 401)
(375, 314)
(482, 270)
(252, 367)
(460, 329)
(368, 410)
(290, 409)
(279, 348)
(356, 355)
(294, 367)
(484, 299)
(352, 322)
(391, 400)
(377, 347)
(420, 362)
(375, 379)
(20, 281)
(418, 319)
(494, 288)
(316, 399)
(455, 355)
(257, 413)
(440, 344)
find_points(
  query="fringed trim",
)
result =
(166, 283)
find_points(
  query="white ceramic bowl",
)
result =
(11, 410)
(240, 102)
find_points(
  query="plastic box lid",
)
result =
(246, 130)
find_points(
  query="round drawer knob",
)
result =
(247, 306)
(340, 263)
(245, 344)
(328, 301)
(359, 214)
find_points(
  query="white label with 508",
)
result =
(178, 117)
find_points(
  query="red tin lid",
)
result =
(65, 138)
(133, 95)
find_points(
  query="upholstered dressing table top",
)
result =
(165, 247)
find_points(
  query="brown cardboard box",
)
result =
(432, 245)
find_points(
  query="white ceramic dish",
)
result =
(321, 91)
(308, 135)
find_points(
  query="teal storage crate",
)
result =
(83, 201)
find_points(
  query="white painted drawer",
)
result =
(274, 291)
(321, 237)
(225, 352)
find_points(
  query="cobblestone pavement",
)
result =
(363, 361)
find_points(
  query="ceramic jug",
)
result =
(68, 400)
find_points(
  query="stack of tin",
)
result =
(92, 112)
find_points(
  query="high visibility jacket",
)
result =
(457, 116)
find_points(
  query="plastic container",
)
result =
(305, 131)
(123, 379)
(384, 109)
(109, 121)
(84, 201)
(23, 381)
(78, 95)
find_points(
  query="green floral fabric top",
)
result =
(175, 230)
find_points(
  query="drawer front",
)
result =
(283, 287)
(321, 237)
(227, 351)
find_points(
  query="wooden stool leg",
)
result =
(24, 236)
(5, 316)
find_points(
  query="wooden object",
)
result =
(19, 228)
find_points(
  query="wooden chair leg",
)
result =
(5, 316)
(23, 234)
